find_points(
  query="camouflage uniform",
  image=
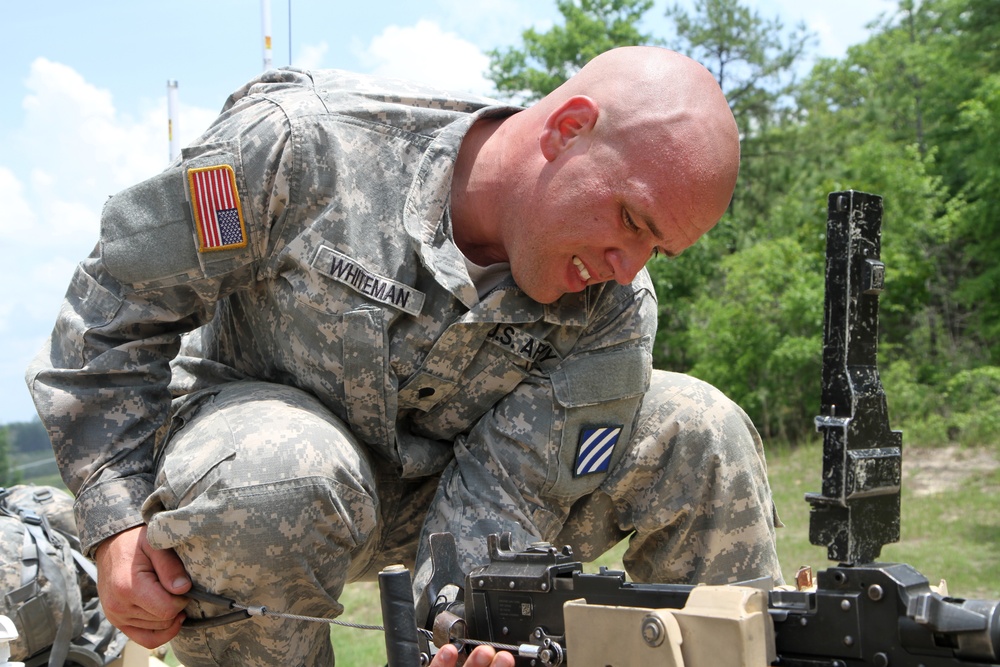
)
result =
(343, 390)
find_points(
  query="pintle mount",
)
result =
(857, 512)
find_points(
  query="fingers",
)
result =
(483, 656)
(169, 569)
(153, 638)
(133, 596)
(447, 656)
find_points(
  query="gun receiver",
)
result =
(540, 604)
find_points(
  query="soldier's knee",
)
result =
(680, 412)
(266, 524)
(259, 472)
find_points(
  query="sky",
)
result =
(83, 103)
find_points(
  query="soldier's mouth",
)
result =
(584, 273)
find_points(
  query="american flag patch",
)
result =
(218, 215)
(594, 453)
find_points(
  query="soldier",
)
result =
(358, 311)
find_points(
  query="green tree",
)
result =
(888, 119)
(546, 60)
(911, 114)
(28, 437)
(751, 57)
(754, 59)
(759, 335)
(8, 476)
(969, 138)
(980, 119)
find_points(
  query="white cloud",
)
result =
(70, 123)
(836, 23)
(192, 122)
(18, 215)
(426, 53)
(311, 55)
(72, 150)
(493, 23)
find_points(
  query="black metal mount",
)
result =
(858, 510)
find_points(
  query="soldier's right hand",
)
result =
(482, 656)
(141, 588)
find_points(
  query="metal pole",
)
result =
(265, 19)
(172, 113)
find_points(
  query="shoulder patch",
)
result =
(218, 214)
(594, 452)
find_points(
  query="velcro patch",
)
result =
(350, 272)
(594, 452)
(218, 215)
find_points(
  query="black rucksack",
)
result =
(48, 587)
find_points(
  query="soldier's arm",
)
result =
(101, 384)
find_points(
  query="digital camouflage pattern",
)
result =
(338, 378)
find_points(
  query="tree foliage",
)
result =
(759, 334)
(547, 59)
(7, 475)
(28, 437)
(750, 56)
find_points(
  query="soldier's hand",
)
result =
(482, 656)
(141, 588)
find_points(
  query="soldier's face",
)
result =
(597, 213)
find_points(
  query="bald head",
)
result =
(667, 110)
(635, 155)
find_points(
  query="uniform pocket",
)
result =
(336, 345)
(449, 408)
(177, 475)
(600, 394)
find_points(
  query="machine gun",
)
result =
(540, 605)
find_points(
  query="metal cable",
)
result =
(265, 612)
(513, 648)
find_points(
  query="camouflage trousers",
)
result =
(270, 500)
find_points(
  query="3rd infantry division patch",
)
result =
(594, 452)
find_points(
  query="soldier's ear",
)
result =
(570, 122)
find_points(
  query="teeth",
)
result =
(584, 273)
